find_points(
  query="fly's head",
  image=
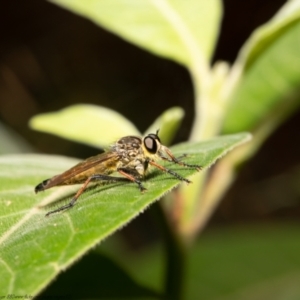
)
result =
(152, 146)
(154, 149)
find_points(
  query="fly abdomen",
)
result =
(41, 186)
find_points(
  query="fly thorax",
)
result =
(129, 150)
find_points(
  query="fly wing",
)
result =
(99, 164)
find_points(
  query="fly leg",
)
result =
(177, 160)
(82, 189)
(171, 172)
(132, 175)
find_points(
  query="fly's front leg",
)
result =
(177, 160)
(171, 172)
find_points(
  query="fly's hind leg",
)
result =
(94, 177)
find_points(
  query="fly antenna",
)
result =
(157, 131)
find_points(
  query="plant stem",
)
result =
(175, 257)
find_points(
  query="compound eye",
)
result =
(150, 144)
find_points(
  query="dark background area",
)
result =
(51, 58)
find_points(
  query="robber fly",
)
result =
(130, 156)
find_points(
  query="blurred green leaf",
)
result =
(250, 262)
(167, 123)
(34, 249)
(266, 34)
(269, 88)
(175, 29)
(243, 259)
(285, 287)
(90, 124)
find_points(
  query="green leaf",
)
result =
(175, 29)
(167, 123)
(252, 262)
(89, 124)
(34, 249)
(266, 34)
(268, 91)
(231, 263)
